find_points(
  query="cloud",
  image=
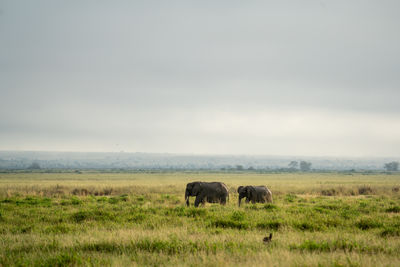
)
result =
(201, 77)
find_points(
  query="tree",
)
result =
(293, 165)
(239, 168)
(34, 166)
(305, 166)
(392, 166)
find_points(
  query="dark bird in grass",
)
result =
(267, 239)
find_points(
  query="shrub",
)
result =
(113, 200)
(58, 229)
(251, 207)
(102, 199)
(72, 201)
(230, 224)
(329, 192)
(169, 247)
(80, 191)
(395, 209)
(325, 246)
(177, 211)
(321, 210)
(270, 206)
(271, 225)
(308, 226)
(326, 208)
(180, 211)
(333, 221)
(124, 197)
(80, 216)
(365, 224)
(8, 200)
(97, 215)
(140, 198)
(365, 190)
(310, 245)
(347, 213)
(34, 201)
(23, 229)
(140, 217)
(390, 231)
(195, 212)
(290, 197)
(238, 216)
(107, 191)
(76, 201)
(64, 259)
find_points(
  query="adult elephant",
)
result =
(259, 194)
(214, 192)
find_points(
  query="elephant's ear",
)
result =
(239, 189)
(250, 191)
(189, 186)
(196, 188)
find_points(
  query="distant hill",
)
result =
(122, 160)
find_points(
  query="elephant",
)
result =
(214, 192)
(260, 194)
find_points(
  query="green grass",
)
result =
(92, 218)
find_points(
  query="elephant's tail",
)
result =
(227, 191)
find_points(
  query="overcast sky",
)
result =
(312, 78)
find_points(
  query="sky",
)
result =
(301, 78)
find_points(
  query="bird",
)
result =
(267, 239)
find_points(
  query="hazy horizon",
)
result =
(139, 160)
(299, 157)
(284, 78)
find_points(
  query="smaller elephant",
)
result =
(214, 192)
(259, 194)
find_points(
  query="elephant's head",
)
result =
(192, 189)
(244, 191)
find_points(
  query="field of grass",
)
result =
(120, 219)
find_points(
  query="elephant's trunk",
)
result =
(187, 198)
(240, 199)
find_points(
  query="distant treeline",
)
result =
(19, 160)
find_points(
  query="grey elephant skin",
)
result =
(255, 194)
(214, 192)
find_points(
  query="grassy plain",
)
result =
(120, 219)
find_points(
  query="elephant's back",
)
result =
(261, 188)
(220, 187)
(225, 187)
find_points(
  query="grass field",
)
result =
(119, 219)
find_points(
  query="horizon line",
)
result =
(200, 154)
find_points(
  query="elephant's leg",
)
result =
(199, 199)
(223, 200)
(247, 200)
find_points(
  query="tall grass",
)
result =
(67, 219)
